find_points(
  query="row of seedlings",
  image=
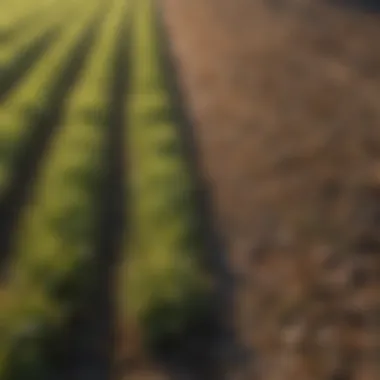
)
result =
(163, 289)
(34, 93)
(57, 233)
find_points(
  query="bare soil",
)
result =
(285, 95)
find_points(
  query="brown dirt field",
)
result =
(286, 99)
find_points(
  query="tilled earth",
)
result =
(285, 96)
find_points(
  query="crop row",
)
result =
(164, 286)
(32, 114)
(96, 199)
(51, 240)
(19, 14)
(24, 52)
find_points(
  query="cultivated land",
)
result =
(100, 256)
(191, 193)
(285, 99)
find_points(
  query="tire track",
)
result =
(89, 337)
(42, 127)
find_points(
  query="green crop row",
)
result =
(164, 288)
(12, 12)
(57, 231)
(31, 97)
(48, 18)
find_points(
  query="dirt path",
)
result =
(285, 100)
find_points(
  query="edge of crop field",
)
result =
(216, 261)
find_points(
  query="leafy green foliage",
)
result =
(166, 290)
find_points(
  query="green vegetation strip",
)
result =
(51, 16)
(164, 286)
(32, 95)
(57, 235)
(12, 12)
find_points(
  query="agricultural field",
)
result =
(101, 249)
(189, 190)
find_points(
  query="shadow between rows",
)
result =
(43, 124)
